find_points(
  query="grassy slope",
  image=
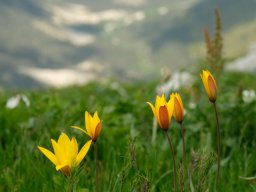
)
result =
(128, 159)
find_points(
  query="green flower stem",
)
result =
(183, 155)
(183, 144)
(218, 143)
(70, 183)
(174, 163)
(97, 167)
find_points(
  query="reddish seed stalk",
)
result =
(174, 163)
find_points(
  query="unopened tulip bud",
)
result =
(209, 85)
(178, 111)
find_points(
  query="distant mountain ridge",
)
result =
(128, 41)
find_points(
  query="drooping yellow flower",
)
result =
(209, 85)
(163, 111)
(65, 155)
(178, 111)
(93, 125)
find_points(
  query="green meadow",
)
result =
(131, 156)
(133, 152)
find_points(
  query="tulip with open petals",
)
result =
(66, 155)
(163, 111)
(93, 126)
(178, 109)
(209, 85)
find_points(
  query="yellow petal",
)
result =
(79, 128)
(212, 88)
(204, 77)
(152, 107)
(154, 111)
(59, 153)
(96, 117)
(64, 142)
(179, 99)
(74, 145)
(170, 107)
(97, 131)
(48, 154)
(88, 124)
(58, 167)
(94, 123)
(83, 152)
(65, 146)
(157, 103)
(73, 151)
(160, 101)
(178, 110)
(209, 85)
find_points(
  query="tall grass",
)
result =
(128, 160)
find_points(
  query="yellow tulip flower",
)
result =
(178, 112)
(209, 85)
(93, 126)
(163, 111)
(65, 155)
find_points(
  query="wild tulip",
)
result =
(162, 111)
(178, 111)
(209, 85)
(65, 156)
(93, 126)
(211, 90)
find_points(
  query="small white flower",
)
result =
(178, 80)
(192, 105)
(25, 100)
(14, 101)
(248, 95)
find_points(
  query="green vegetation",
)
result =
(129, 160)
(131, 157)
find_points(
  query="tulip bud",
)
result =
(178, 111)
(209, 85)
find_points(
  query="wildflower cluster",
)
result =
(66, 156)
(164, 110)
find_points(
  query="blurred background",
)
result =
(58, 43)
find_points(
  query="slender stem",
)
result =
(183, 155)
(218, 143)
(174, 163)
(97, 167)
(71, 183)
(183, 144)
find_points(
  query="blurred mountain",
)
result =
(61, 42)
